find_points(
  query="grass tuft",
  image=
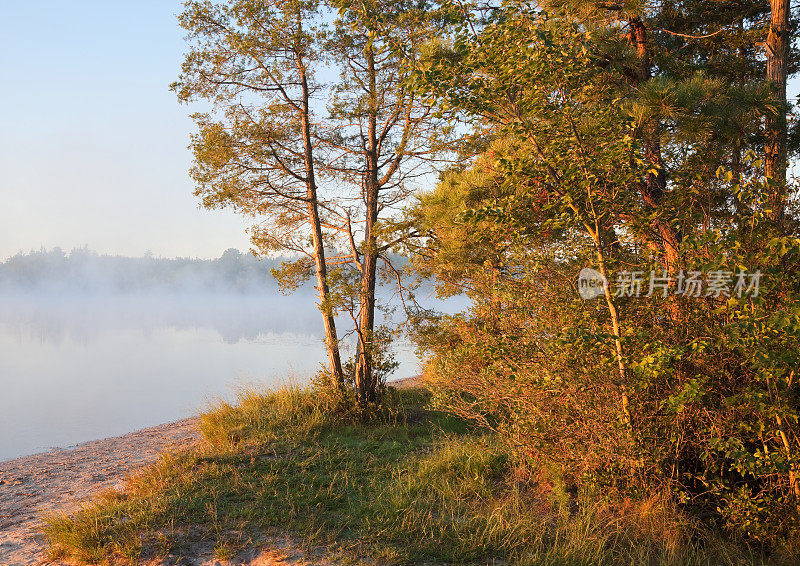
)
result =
(420, 490)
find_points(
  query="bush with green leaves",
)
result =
(585, 160)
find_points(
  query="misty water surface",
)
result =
(80, 367)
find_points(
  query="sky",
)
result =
(93, 145)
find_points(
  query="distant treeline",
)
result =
(83, 270)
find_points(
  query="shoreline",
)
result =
(60, 479)
(399, 383)
(45, 451)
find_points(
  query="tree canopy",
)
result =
(612, 195)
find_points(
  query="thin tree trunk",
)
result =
(775, 147)
(792, 474)
(616, 331)
(331, 339)
(366, 384)
(616, 328)
(366, 379)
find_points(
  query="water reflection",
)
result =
(236, 317)
(75, 368)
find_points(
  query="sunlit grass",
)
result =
(427, 490)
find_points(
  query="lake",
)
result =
(81, 367)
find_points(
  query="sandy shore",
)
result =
(32, 486)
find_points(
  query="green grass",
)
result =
(422, 490)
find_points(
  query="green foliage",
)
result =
(694, 396)
(617, 135)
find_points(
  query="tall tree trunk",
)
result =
(366, 379)
(654, 185)
(775, 163)
(329, 322)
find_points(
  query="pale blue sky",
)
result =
(92, 142)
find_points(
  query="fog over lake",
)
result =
(83, 358)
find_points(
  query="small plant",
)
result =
(224, 551)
